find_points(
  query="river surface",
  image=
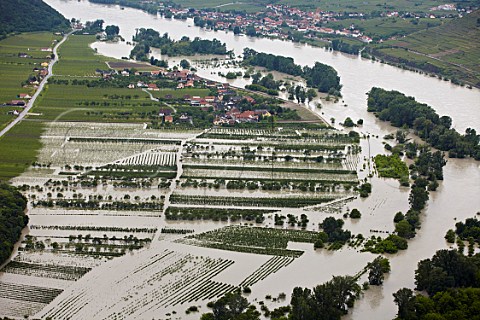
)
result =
(456, 198)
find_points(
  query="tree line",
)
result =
(320, 76)
(451, 281)
(400, 110)
(148, 38)
(12, 219)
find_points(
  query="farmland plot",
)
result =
(164, 279)
(113, 197)
(256, 240)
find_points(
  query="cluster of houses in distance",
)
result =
(272, 21)
(227, 112)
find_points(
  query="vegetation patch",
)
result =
(253, 240)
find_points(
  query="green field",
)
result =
(78, 59)
(81, 103)
(19, 148)
(382, 28)
(456, 44)
(15, 70)
(178, 94)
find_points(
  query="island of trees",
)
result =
(403, 111)
(12, 219)
(320, 76)
(451, 281)
(149, 38)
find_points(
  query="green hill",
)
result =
(452, 49)
(29, 15)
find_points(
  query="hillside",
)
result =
(452, 49)
(29, 15)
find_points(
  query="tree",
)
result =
(250, 31)
(406, 304)
(229, 306)
(377, 268)
(450, 236)
(398, 217)
(184, 64)
(311, 93)
(348, 122)
(236, 30)
(355, 214)
(404, 229)
(112, 31)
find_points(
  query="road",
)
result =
(42, 84)
(157, 100)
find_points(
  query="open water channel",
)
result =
(457, 197)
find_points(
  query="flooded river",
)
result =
(456, 198)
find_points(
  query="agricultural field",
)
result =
(15, 69)
(19, 148)
(452, 47)
(102, 192)
(384, 28)
(71, 102)
(78, 59)
(254, 240)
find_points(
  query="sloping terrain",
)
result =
(29, 15)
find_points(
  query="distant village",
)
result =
(228, 111)
(273, 23)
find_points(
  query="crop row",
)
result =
(265, 174)
(215, 214)
(244, 249)
(286, 202)
(150, 158)
(95, 228)
(96, 205)
(176, 231)
(123, 140)
(272, 168)
(46, 271)
(271, 266)
(28, 293)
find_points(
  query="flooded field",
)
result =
(131, 222)
(96, 205)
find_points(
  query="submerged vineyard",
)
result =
(138, 200)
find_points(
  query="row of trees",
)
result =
(147, 38)
(320, 76)
(12, 219)
(401, 110)
(330, 300)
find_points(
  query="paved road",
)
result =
(30, 103)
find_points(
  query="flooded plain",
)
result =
(193, 275)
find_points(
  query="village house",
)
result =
(20, 103)
(152, 87)
(24, 96)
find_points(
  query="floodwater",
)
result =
(456, 198)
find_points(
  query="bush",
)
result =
(355, 214)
